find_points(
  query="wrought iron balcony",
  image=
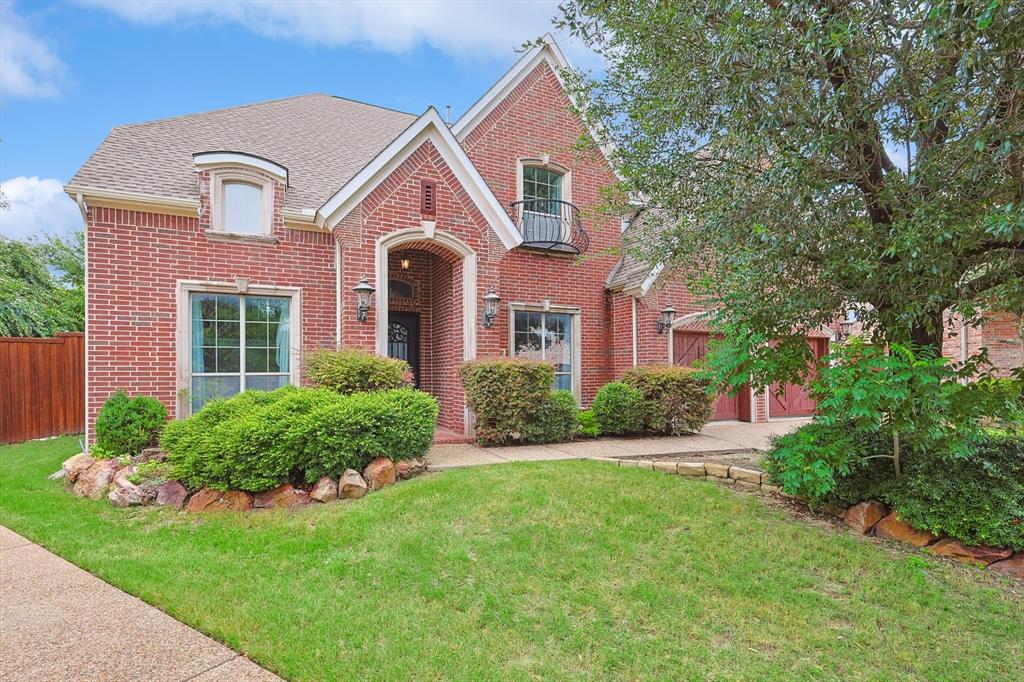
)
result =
(550, 225)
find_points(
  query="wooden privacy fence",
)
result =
(42, 386)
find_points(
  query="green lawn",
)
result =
(561, 570)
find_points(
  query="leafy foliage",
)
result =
(257, 440)
(351, 370)
(588, 426)
(42, 286)
(676, 399)
(124, 425)
(619, 409)
(556, 421)
(507, 396)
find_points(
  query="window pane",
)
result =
(227, 308)
(205, 389)
(256, 360)
(243, 204)
(228, 360)
(255, 334)
(265, 383)
(563, 382)
(227, 334)
(256, 309)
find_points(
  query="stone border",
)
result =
(740, 477)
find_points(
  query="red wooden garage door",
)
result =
(794, 400)
(687, 349)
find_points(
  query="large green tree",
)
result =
(42, 286)
(811, 157)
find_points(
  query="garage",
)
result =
(690, 346)
(794, 400)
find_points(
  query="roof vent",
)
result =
(428, 197)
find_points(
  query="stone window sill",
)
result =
(260, 239)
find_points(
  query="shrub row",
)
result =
(978, 499)
(661, 399)
(350, 370)
(257, 440)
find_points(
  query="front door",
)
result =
(404, 340)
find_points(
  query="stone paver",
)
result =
(59, 622)
(715, 437)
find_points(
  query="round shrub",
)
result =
(507, 396)
(125, 425)
(555, 421)
(619, 409)
(676, 398)
(350, 370)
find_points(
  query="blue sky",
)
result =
(70, 71)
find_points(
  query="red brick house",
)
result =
(222, 245)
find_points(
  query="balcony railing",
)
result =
(551, 225)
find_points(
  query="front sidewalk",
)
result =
(715, 438)
(58, 622)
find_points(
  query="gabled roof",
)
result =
(635, 273)
(322, 140)
(428, 127)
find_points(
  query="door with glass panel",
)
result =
(548, 337)
(238, 343)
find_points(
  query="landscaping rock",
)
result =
(171, 494)
(895, 528)
(863, 517)
(209, 499)
(691, 469)
(645, 464)
(285, 495)
(667, 467)
(1013, 567)
(774, 490)
(57, 475)
(74, 466)
(746, 475)
(979, 556)
(407, 468)
(325, 490)
(379, 473)
(95, 480)
(150, 455)
(717, 470)
(352, 486)
(745, 485)
(833, 510)
(124, 493)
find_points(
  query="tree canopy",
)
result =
(42, 286)
(812, 157)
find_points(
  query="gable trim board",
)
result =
(428, 127)
(134, 201)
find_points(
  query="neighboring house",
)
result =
(222, 245)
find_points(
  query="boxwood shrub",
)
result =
(619, 409)
(257, 440)
(351, 370)
(510, 398)
(125, 425)
(556, 420)
(676, 399)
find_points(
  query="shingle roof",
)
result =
(322, 140)
(633, 268)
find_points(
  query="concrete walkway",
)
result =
(718, 437)
(58, 622)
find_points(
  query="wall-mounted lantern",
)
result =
(846, 327)
(491, 301)
(668, 316)
(405, 263)
(364, 290)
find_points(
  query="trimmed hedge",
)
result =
(350, 370)
(556, 420)
(508, 397)
(124, 425)
(619, 409)
(257, 440)
(676, 398)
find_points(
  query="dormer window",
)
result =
(242, 208)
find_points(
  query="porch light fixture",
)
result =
(405, 263)
(364, 290)
(668, 316)
(491, 301)
(846, 328)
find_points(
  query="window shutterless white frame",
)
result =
(183, 345)
(224, 176)
(574, 314)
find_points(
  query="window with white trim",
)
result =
(238, 343)
(542, 205)
(549, 336)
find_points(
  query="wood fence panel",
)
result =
(42, 387)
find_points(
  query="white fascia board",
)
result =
(100, 194)
(651, 278)
(212, 159)
(548, 51)
(430, 127)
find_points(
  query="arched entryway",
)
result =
(426, 303)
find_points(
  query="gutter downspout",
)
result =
(633, 300)
(337, 292)
(84, 209)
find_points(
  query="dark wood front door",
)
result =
(404, 340)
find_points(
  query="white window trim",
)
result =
(239, 288)
(577, 328)
(547, 164)
(219, 177)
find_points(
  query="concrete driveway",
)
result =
(717, 437)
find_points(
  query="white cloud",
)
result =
(28, 67)
(37, 207)
(462, 28)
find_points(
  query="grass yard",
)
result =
(558, 570)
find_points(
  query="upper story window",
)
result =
(242, 207)
(542, 189)
(547, 217)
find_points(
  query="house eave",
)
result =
(111, 198)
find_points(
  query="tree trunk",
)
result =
(896, 454)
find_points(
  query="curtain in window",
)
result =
(283, 338)
(197, 334)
